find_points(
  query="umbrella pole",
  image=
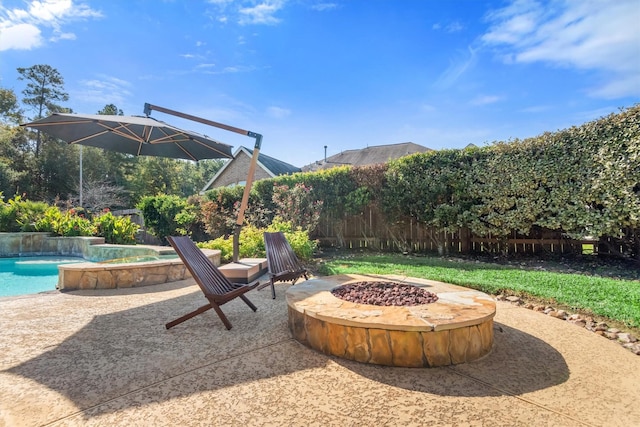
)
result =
(245, 198)
(81, 184)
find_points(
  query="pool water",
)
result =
(30, 275)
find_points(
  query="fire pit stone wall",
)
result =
(457, 328)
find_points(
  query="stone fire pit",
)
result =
(456, 328)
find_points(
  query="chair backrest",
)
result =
(280, 256)
(205, 273)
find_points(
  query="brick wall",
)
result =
(237, 171)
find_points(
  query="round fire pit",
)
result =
(416, 323)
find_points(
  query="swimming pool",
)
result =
(30, 275)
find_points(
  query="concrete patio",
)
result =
(105, 358)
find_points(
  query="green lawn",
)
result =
(616, 299)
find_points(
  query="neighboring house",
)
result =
(367, 156)
(235, 171)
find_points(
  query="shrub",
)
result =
(20, 215)
(220, 208)
(297, 204)
(116, 230)
(65, 224)
(165, 215)
(252, 242)
(298, 238)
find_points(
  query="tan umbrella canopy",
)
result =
(136, 135)
(146, 136)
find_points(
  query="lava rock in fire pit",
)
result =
(384, 293)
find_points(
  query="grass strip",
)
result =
(617, 299)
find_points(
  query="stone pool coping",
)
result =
(95, 275)
(92, 275)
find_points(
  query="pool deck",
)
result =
(103, 357)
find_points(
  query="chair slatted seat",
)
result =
(283, 264)
(216, 287)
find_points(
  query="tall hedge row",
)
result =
(583, 181)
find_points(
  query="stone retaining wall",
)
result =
(91, 275)
(43, 244)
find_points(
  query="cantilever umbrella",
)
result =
(137, 135)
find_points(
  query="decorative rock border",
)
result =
(457, 328)
(627, 340)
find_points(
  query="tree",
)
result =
(57, 170)
(10, 112)
(14, 160)
(14, 153)
(111, 110)
(45, 88)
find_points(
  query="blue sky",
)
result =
(346, 74)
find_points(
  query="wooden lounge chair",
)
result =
(215, 286)
(283, 263)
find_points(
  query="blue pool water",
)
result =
(30, 275)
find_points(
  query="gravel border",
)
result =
(626, 339)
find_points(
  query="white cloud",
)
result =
(451, 27)
(321, 7)
(262, 13)
(19, 36)
(454, 27)
(104, 90)
(238, 69)
(22, 28)
(456, 69)
(63, 36)
(278, 112)
(485, 100)
(588, 35)
(251, 12)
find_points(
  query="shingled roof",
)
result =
(275, 166)
(235, 171)
(368, 156)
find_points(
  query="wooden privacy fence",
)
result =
(369, 231)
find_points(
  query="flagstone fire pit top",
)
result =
(456, 328)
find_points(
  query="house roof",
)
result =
(368, 156)
(272, 166)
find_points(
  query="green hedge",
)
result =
(582, 181)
